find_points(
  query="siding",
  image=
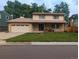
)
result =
(47, 17)
(3, 20)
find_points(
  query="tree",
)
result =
(62, 8)
(17, 9)
(13, 8)
(42, 8)
(34, 7)
(26, 10)
(9, 7)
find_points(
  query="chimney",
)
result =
(21, 17)
(11, 17)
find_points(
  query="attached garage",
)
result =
(20, 25)
(19, 28)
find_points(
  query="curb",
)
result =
(54, 43)
(38, 43)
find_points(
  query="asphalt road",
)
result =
(38, 52)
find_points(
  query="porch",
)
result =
(48, 27)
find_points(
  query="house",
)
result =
(4, 17)
(74, 22)
(54, 22)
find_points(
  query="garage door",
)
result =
(19, 28)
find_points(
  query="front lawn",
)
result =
(45, 37)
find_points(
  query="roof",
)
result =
(29, 20)
(38, 13)
(4, 12)
(75, 16)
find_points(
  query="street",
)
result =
(38, 52)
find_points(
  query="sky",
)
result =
(73, 4)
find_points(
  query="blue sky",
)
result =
(73, 4)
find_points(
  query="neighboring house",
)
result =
(73, 23)
(4, 17)
(74, 20)
(54, 22)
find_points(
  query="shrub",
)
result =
(75, 29)
(68, 29)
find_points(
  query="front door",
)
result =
(41, 26)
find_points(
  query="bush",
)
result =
(75, 29)
(68, 29)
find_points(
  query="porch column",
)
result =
(64, 27)
(44, 26)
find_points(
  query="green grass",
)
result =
(45, 37)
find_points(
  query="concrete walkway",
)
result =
(6, 35)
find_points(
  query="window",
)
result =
(13, 25)
(55, 26)
(26, 25)
(56, 17)
(18, 25)
(22, 25)
(7, 17)
(41, 17)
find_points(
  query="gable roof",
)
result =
(29, 20)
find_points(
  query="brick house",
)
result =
(54, 22)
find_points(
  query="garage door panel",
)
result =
(20, 28)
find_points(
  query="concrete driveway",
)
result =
(6, 35)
